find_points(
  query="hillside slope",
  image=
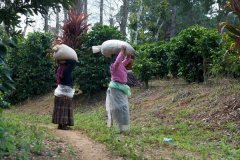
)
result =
(214, 104)
(201, 119)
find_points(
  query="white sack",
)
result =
(64, 52)
(63, 90)
(96, 49)
(112, 46)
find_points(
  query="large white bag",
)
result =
(111, 47)
(64, 52)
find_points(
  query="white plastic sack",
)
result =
(63, 90)
(108, 109)
(111, 46)
(64, 52)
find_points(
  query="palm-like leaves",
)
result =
(74, 28)
(233, 31)
(235, 6)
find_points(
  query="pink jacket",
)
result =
(118, 70)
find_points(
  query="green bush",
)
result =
(151, 61)
(226, 63)
(192, 51)
(145, 68)
(158, 54)
(6, 82)
(92, 71)
(33, 71)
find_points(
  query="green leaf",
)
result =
(10, 43)
(3, 49)
(1, 61)
(230, 28)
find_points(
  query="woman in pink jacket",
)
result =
(118, 91)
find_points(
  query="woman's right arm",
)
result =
(119, 57)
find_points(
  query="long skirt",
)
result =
(117, 109)
(63, 111)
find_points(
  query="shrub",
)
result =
(226, 63)
(157, 52)
(151, 61)
(6, 82)
(192, 51)
(92, 72)
(145, 67)
(33, 71)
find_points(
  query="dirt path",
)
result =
(86, 147)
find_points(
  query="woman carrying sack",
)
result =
(63, 110)
(118, 92)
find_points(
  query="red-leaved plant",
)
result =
(73, 29)
(234, 31)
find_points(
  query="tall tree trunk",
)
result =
(146, 84)
(138, 21)
(46, 19)
(204, 69)
(57, 22)
(221, 12)
(173, 21)
(85, 7)
(65, 12)
(26, 25)
(111, 22)
(124, 18)
(79, 6)
(101, 12)
(159, 29)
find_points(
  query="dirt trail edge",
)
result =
(88, 149)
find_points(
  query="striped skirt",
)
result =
(63, 111)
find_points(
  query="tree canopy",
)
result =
(10, 11)
(152, 20)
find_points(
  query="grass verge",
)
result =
(191, 140)
(21, 138)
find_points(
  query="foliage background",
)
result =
(33, 71)
(191, 53)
